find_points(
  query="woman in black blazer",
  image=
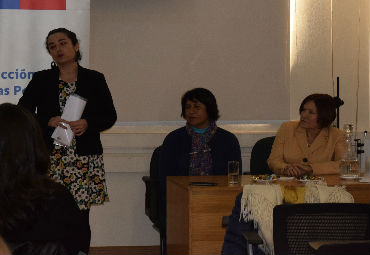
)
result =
(79, 166)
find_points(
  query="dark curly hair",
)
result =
(205, 97)
(71, 35)
(326, 108)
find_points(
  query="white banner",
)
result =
(24, 25)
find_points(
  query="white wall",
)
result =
(313, 68)
(152, 51)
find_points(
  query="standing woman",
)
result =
(80, 166)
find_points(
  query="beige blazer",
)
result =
(291, 146)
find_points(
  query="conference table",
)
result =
(194, 213)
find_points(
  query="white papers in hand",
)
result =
(73, 110)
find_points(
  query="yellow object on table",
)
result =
(293, 195)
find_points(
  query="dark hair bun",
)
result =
(338, 102)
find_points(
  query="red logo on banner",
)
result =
(42, 4)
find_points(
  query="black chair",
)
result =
(152, 198)
(298, 225)
(259, 155)
(258, 163)
(341, 247)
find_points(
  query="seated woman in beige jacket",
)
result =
(310, 145)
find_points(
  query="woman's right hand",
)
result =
(297, 170)
(57, 121)
(292, 170)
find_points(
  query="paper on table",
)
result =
(73, 110)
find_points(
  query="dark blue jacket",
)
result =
(234, 242)
(174, 158)
(59, 221)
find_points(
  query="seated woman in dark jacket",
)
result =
(199, 148)
(33, 208)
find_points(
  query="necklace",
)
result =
(311, 137)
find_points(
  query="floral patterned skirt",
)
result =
(83, 176)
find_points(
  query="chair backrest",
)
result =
(154, 163)
(260, 153)
(297, 225)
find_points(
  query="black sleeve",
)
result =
(166, 160)
(100, 112)
(236, 152)
(30, 95)
(230, 151)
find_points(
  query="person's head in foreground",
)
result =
(24, 164)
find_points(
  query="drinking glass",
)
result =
(233, 172)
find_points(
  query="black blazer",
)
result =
(41, 97)
(60, 222)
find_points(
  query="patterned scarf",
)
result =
(200, 155)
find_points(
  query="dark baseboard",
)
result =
(125, 250)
